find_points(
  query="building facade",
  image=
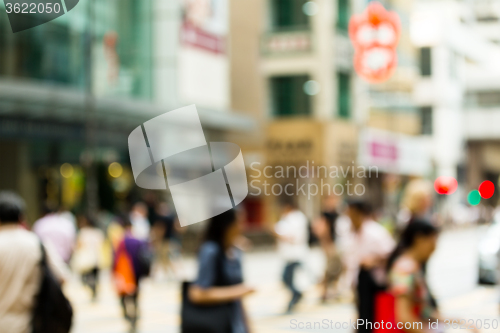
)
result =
(106, 66)
(458, 87)
(291, 68)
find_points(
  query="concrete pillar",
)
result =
(322, 25)
(447, 113)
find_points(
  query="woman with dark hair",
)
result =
(220, 277)
(408, 300)
(406, 280)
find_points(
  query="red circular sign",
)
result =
(486, 189)
(375, 36)
(445, 185)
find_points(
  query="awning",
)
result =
(44, 101)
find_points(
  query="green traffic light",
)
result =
(474, 198)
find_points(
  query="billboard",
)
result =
(203, 59)
(394, 153)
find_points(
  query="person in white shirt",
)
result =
(87, 258)
(366, 249)
(292, 235)
(20, 266)
(56, 232)
(140, 223)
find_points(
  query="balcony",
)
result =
(286, 43)
(482, 123)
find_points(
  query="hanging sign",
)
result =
(375, 35)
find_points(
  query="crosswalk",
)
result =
(452, 275)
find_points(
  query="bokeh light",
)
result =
(67, 170)
(115, 170)
(312, 87)
(486, 189)
(445, 185)
(474, 198)
(310, 8)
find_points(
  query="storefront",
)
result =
(43, 141)
(306, 159)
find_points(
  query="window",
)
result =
(344, 95)
(426, 120)
(288, 96)
(55, 52)
(288, 14)
(489, 18)
(425, 61)
(483, 99)
(343, 14)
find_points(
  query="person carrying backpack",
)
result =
(132, 262)
(31, 299)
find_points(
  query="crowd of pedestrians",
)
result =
(386, 273)
(36, 261)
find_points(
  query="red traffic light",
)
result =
(486, 189)
(445, 185)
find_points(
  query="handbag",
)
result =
(52, 312)
(196, 318)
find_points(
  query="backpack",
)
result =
(123, 272)
(145, 261)
(52, 312)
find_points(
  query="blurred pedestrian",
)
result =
(408, 299)
(407, 285)
(21, 269)
(167, 240)
(416, 203)
(213, 302)
(87, 257)
(131, 263)
(292, 234)
(65, 213)
(367, 248)
(140, 223)
(56, 232)
(324, 228)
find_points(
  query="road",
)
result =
(452, 277)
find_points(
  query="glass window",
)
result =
(55, 51)
(426, 120)
(487, 98)
(425, 61)
(344, 95)
(43, 53)
(289, 14)
(343, 14)
(288, 96)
